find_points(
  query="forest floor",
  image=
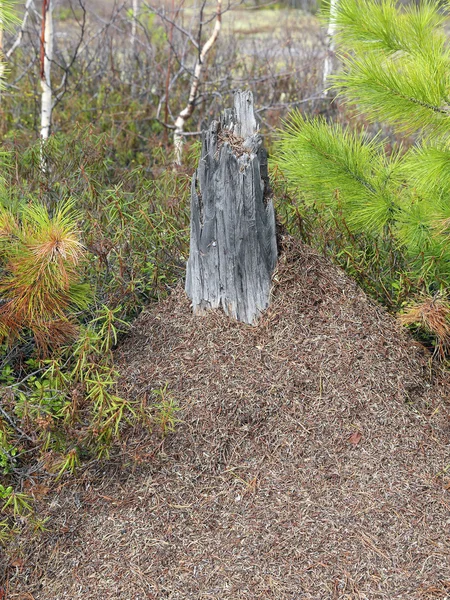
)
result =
(312, 461)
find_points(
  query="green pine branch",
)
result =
(411, 95)
(8, 14)
(381, 26)
(396, 70)
(427, 167)
(341, 170)
(396, 63)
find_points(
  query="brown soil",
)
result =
(311, 462)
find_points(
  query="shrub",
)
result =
(40, 259)
(73, 274)
(386, 206)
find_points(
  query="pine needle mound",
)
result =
(311, 461)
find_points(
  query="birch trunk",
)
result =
(134, 25)
(46, 64)
(328, 63)
(2, 64)
(133, 43)
(178, 138)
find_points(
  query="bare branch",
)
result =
(189, 109)
(173, 23)
(19, 37)
(62, 88)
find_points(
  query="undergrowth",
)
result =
(83, 247)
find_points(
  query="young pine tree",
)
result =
(396, 71)
(39, 274)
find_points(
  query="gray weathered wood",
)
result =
(233, 249)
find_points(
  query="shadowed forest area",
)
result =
(224, 300)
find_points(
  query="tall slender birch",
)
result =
(184, 115)
(46, 64)
(135, 10)
(133, 43)
(2, 64)
(328, 62)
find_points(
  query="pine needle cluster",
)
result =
(395, 70)
(40, 274)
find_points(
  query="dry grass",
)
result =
(312, 461)
(432, 314)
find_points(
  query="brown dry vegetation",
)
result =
(311, 462)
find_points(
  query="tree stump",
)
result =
(233, 249)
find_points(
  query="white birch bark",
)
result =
(328, 63)
(133, 43)
(134, 24)
(46, 65)
(178, 138)
(2, 64)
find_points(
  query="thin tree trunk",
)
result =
(2, 64)
(328, 63)
(133, 44)
(134, 23)
(169, 68)
(46, 63)
(184, 115)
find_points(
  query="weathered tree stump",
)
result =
(233, 249)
